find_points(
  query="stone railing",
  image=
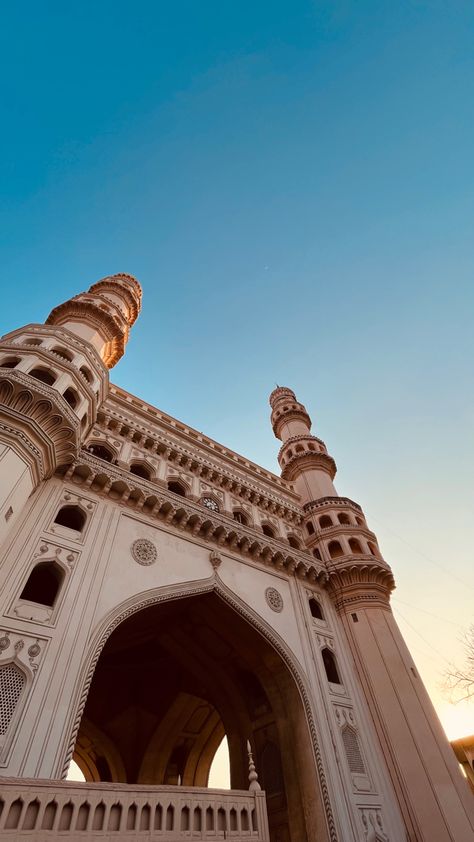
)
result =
(41, 810)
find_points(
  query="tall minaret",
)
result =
(434, 799)
(53, 377)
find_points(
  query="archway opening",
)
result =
(171, 681)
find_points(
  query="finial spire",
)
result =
(253, 777)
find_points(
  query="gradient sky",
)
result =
(292, 183)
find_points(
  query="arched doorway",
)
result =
(171, 680)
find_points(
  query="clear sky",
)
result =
(292, 183)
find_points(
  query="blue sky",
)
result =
(292, 183)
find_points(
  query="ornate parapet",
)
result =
(36, 808)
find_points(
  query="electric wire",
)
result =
(422, 554)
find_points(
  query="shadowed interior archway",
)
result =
(171, 680)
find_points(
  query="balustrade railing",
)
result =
(40, 810)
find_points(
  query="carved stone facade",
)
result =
(159, 591)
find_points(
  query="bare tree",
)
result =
(459, 681)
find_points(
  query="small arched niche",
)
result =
(10, 362)
(65, 355)
(71, 397)
(335, 550)
(343, 518)
(141, 470)
(43, 583)
(355, 546)
(268, 530)
(72, 517)
(330, 666)
(86, 373)
(101, 451)
(31, 341)
(294, 542)
(44, 375)
(240, 517)
(177, 487)
(325, 522)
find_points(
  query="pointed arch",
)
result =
(176, 592)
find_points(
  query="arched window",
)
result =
(355, 546)
(10, 362)
(177, 488)
(140, 470)
(325, 521)
(43, 583)
(268, 530)
(86, 373)
(315, 608)
(71, 397)
(317, 554)
(12, 682)
(101, 452)
(310, 528)
(240, 517)
(372, 548)
(360, 521)
(294, 542)
(330, 666)
(71, 516)
(65, 355)
(44, 375)
(343, 518)
(335, 549)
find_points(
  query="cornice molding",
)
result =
(359, 581)
(192, 457)
(158, 503)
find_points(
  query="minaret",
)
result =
(53, 377)
(433, 797)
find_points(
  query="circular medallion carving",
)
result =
(274, 599)
(144, 551)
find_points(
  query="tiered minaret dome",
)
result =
(103, 315)
(53, 378)
(336, 531)
(303, 457)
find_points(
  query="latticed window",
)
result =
(354, 756)
(12, 681)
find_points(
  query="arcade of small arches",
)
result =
(145, 471)
(47, 373)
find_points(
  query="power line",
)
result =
(423, 555)
(430, 613)
(449, 663)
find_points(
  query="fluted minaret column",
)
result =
(53, 377)
(434, 799)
